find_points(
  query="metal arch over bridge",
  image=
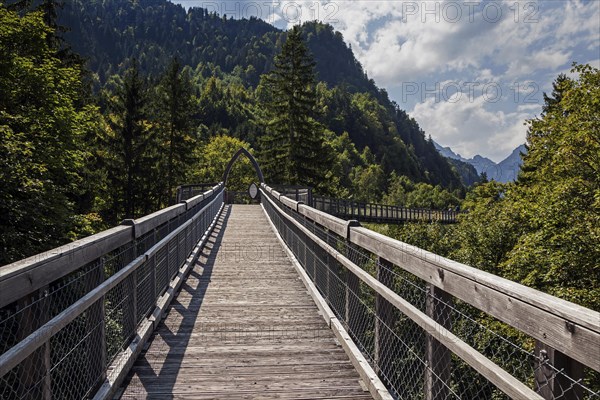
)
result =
(207, 300)
(243, 151)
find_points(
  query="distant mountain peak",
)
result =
(506, 170)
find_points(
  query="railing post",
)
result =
(152, 262)
(134, 300)
(438, 357)
(384, 324)
(96, 343)
(313, 270)
(34, 316)
(332, 242)
(47, 392)
(352, 302)
(548, 383)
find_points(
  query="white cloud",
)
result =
(468, 126)
(397, 43)
(401, 41)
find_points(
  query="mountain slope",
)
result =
(110, 32)
(511, 165)
(467, 172)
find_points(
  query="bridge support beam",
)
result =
(552, 385)
(438, 357)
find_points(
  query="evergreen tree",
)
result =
(19, 5)
(559, 86)
(552, 108)
(50, 9)
(127, 158)
(293, 151)
(175, 105)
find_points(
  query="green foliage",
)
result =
(86, 225)
(346, 159)
(368, 179)
(237, 53)
(543, 230)
(42, 126)
(402, 191)
(489, 229)
(228, 108)
(153, 32)
(559, 193)
(125, 148)
(175, 105)
(214, 157)
(159, 113)
(293, 151)
(466, 171)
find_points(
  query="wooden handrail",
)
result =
(380, 212)
(572, 329)
(27, 346)
(26, 276)
(487, 368)
(566, 326)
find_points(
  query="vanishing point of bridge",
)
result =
(280, 299)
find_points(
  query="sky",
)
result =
(471, 72)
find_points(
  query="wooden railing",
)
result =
(381, 213)
(185, 192)
(524, 343)
(73, 320)
(343, 208)
(236, 197)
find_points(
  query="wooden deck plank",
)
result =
(244, 327)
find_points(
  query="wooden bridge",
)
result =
(206, 300)
(244, 326)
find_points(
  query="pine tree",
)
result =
(18, 6)
(50, 10)
(559, 87)
(175, 105)
(127, 157)
(552, 108)
(292, 151)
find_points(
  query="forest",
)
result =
(103, 118)
(108, 106)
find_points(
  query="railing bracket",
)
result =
(351, 224)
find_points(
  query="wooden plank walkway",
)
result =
(244, 327)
